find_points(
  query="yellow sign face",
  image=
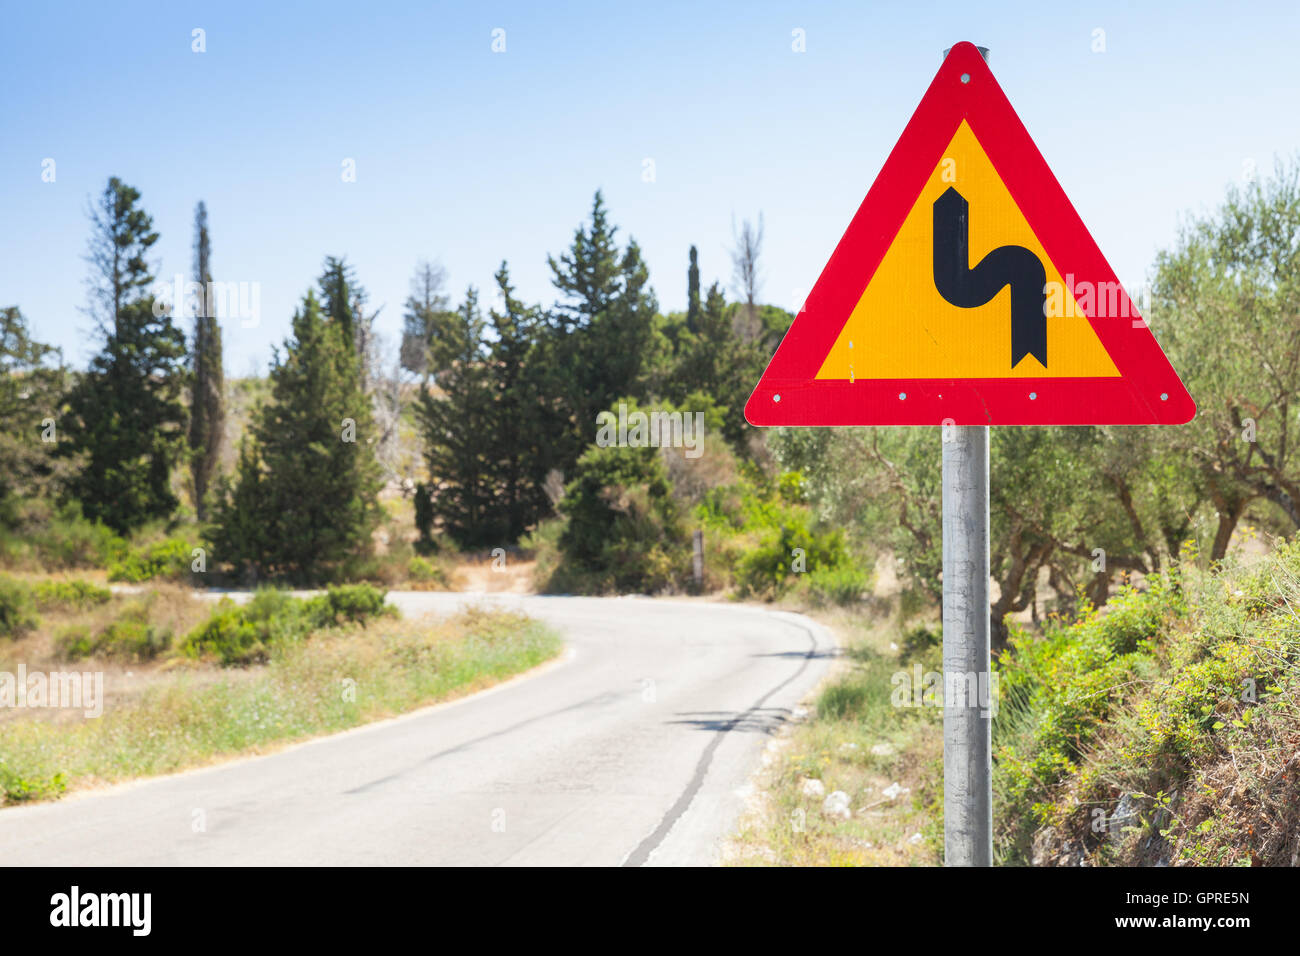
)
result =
(902, 327)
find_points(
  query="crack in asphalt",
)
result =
(641, 854)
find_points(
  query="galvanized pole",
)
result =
(967, 713)
(967, 745)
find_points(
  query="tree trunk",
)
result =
(1223, 534)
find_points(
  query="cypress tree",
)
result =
(693, 293)
(207, 404)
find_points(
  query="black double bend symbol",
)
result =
(968, 288)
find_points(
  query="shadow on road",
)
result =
(765, 720)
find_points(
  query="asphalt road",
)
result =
(634, 748)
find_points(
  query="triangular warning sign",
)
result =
(968, 290)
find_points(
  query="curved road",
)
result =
(633, 748)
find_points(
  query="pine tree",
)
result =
(524, 416)
(208, 404)
(607, 319)
(456, 427)
(306, 496)
(125, 415)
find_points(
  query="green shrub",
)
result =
(920, 640)
(348, 604)
(76, 595)
(623, 531)
(427, 575)
(1059, 690)
(169, 559)
(15, 788)
(131, 636)
(229, 635)
(36, 536)
(784, 552)
(248, 634)
(838, 584)
(72, 642)
(16, 614)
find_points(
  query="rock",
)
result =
(882, 750)
(812, 787)
(1125, 815)
(837, 806)
(915, 838)
(894, 791)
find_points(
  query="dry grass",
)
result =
(886, 759)
(163, 718)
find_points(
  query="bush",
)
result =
(72, 541)
(623, 530)
(236, 635)
(33, 535)
(16, 614)
(228, 635)
(347, 604)
(74, 595)
(838, 584)
(1059, 690)
(15, 788)
(920, 640)
(426, 575)
(768, 569)
(169, 559)
(130, 637)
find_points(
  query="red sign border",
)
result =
(1148, 391)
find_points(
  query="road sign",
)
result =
(968, 291)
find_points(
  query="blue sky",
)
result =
(467, 157)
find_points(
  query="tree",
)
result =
(624, 530)
(1226, 301)
(32, 381)
(125, 415)
(426, 322)
(523, 414)
(693, 292)
(207, 405)
(605, 320)
(457, 430)
(306, 494)
(341, 297)
(745, 272)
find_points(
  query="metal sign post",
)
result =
(967, 727)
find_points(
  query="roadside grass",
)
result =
(887, 759)
(188, 713)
